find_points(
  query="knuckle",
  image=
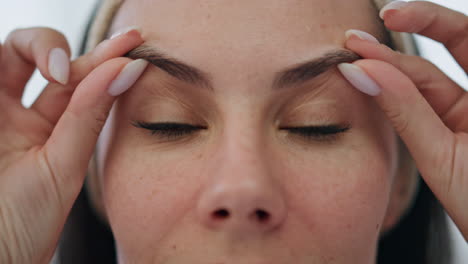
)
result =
(421, 71)
(52, 172)
(13, 34)
(456, 162)
(444, 160)
(38, 35)
(100, 120)
(399, 120)
(460, 37)
(17, 32)
(97, 118)
(50, 32)
(93, 120)
(416, 61)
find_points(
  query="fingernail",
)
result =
(359, 79)
(124, 31)
(395, 5)
(361, 34)
(59, 65)
(127, 77)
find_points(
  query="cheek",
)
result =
(148, 190)
(342, 198)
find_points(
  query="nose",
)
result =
(242, 199)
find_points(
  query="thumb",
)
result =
(413, 118)
(431, 143)
(72, 142)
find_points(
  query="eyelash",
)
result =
(173, 131)
(169, 130)
(318, 133)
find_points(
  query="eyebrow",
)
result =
(305, 71)
(291, 76)
(172, 66)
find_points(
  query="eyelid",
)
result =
(165, 126)
(172, 131)
(319, 128)
(306, 109)
(327, 133)
(169, 131)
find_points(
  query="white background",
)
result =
(70, 17)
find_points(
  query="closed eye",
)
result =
(318, 133)
(169, 130)
(174, 131)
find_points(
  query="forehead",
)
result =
(260, 33)
(256, 20)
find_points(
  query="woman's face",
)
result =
(246, 184)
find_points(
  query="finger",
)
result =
(411, 115)
(434, 21)
(431, 144)
(119, 44)
(26, 49)
(444, 95)
(55, 98)
(72, 141)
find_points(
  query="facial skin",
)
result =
(244, 190)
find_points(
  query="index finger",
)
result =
(433, 21)
(110, 48)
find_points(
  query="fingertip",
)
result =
(127, 77)
(359, 79)
(361, 35)
(105, 50)
(389, 78)
(59, 65)
(370, 50)
(126, 30)
(94, 87)
(392, 6)
(125, 38)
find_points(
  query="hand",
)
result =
(45, 150)
(427, 109)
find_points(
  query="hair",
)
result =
(420, 237)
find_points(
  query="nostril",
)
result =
(221, 214)
(261, 215)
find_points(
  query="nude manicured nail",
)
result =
(392, 6)
(359, 79)
(124, 31)
(127, 77)
(59, 65)
(361, 34)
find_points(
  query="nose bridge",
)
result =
(246, 146)
(241, 140)
(242, 196)
(243, 154)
